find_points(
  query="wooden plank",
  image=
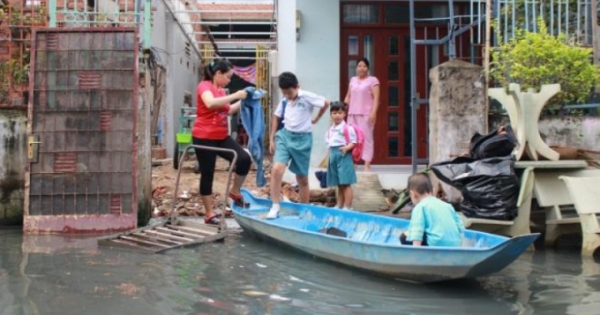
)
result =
(489, 222)
(122, 244)
(193, 230)
(208, 239)
(169, 230)
(147, 236)
(170, 236)
(133, 239)
(585, 193)
(564, 164)
(117, 235)
(564, 221)
(198, 226)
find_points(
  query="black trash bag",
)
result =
(498, 143)
(490, 187)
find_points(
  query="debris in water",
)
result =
(128, 289)
(292, 278)
(304, 290)
(276, 297)
(261, 265)
(255, 293)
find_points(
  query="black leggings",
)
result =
(208, 159)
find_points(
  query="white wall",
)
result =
(318, 59)
(169, 42)
(286, 35)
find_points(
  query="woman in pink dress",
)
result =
(363, 101)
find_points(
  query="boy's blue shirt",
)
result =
(438, 220)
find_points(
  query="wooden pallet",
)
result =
(165, 236)
(175, 233)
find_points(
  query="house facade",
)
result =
(321, 42)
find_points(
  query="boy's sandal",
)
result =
(238, 200)
(213, 220)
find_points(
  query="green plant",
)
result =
(533, 59)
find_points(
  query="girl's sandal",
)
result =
(213, 220)
(239, 200)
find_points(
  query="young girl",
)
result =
(211, 129)
(341, 139)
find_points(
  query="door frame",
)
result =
(379, 69)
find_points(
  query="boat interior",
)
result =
(355, 226)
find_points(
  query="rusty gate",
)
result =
(82, 131)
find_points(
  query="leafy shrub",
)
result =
(534, 59)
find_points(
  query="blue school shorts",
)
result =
(340, 170)
(293, 149)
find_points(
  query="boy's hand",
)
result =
(344, 150)
(272, 147)
(314, 121)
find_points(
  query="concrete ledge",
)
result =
(390, 176)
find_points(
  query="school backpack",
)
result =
(283, 105)
(499, 143)
(357, 151)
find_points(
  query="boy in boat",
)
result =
(341, 139)
(291, 136)
(433, 222)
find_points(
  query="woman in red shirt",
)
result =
(211, 129)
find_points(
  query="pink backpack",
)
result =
(357, 151)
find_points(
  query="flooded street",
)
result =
(56, 275)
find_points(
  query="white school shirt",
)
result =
(335, 135)
(298, 113)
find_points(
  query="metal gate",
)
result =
(82, 131)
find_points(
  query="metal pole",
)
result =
(413, 88)
(486, 58)
(452, 48)
(594, 16)
(173, 216)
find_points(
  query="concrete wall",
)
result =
(571, 131)
(318, 59)
(168, 42)
(579, 132)
(13, 125)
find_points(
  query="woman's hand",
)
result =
(372, 118)
(241, 94)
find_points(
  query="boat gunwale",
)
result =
(505, 242)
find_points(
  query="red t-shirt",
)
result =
(210, 123)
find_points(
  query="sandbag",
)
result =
(490, 187)
(498, 143)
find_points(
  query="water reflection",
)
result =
(51, 274)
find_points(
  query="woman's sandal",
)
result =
(213, 220)
(238, 200)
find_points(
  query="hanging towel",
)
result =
(254, 124)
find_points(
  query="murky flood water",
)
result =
(56, 275)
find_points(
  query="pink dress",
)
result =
(361, 104)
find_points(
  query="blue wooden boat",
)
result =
(372, 242)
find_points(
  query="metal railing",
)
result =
(573, 18)
(103, 13)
